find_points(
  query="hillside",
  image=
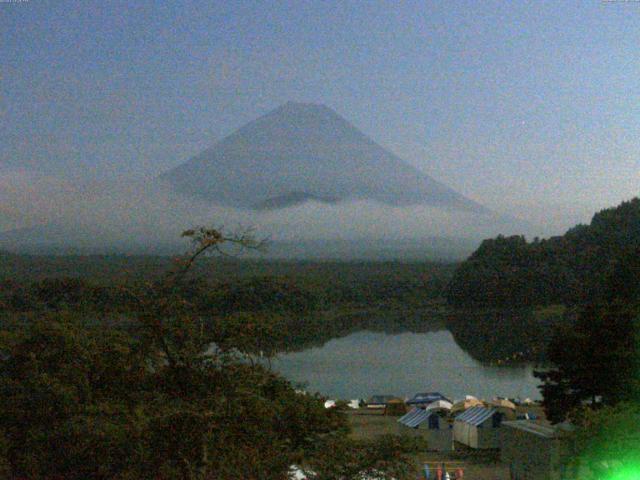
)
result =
(507, 271)
(301, 152)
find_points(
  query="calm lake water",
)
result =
(367, 363)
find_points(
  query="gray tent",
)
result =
(478, 427)
(429, 425)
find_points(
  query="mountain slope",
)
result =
(305, 151)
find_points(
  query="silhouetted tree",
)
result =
(594, 362)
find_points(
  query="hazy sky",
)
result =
(528, 107)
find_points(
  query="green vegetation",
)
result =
(597, 358)
(172, 391)
(511, 295)
(594, 361)
(307, 303)
(506, 336)
(570, 269)
(606, 445)
(595, 378)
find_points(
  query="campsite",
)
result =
(482, 460)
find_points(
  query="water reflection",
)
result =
(365, 363)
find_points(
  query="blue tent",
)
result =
(426, 398)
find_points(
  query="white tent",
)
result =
(440, 405)
(329, 404)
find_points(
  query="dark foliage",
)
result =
(175, 392)
(569, 269)
(594, 362)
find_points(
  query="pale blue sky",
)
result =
(530, 107)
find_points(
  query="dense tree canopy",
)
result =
(594, 361)
(571, 268)
(175, 392)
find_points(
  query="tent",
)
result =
(395, 406)
(466, 404)
(379, 401)
(503, 403)
(505, 407)
(439, 405)
(429, 425)
(478, 427)
(426, 398)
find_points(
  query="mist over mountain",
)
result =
(302, 176)
(306, 152)
(144, 218)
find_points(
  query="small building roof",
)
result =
(415, 417)
(475, 415)
(539, 429)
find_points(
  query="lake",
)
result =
(366, 363)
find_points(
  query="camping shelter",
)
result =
(439, 405)
(478, 427)
(503, 403)
(466, 404)
(428, 424)
(395, 407)
(504, 406)
(424, 399)
(379, 401)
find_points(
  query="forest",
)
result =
(568, 269)
(158, 378)
(308, 302)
